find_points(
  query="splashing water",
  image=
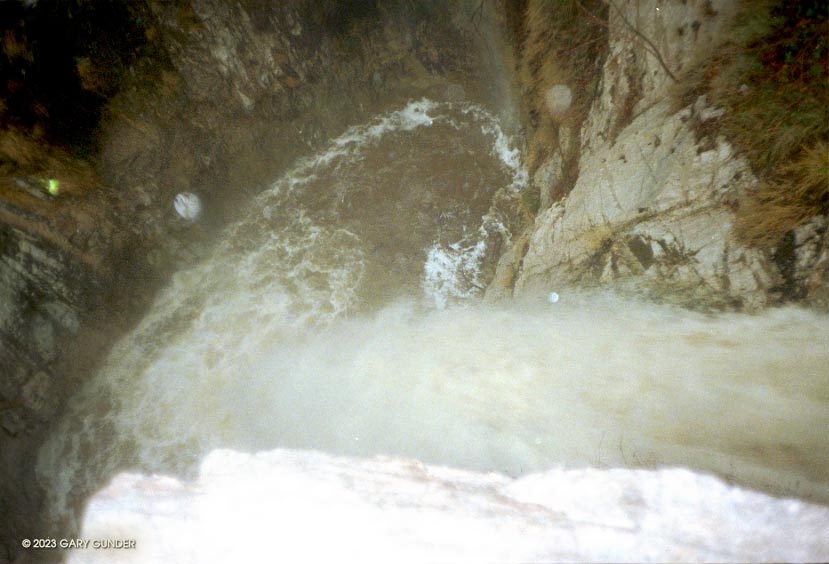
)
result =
(329, 318)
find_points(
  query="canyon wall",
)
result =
(637, 193)
(652, 209)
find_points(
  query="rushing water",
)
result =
(342, 314)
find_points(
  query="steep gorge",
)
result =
(225, 97)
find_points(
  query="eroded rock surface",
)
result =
(653, 207)
(55, 269)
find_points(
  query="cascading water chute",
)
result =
(341, 314)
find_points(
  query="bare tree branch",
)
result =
(649, 45)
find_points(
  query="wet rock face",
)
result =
(43, 294)
(41, 300)
(806, 262)
(61, 60)
(244, 88)
(652, 210)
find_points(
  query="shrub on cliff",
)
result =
(772, 75)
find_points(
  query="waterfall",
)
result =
(342, 313)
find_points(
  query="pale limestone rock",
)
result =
(236, 51)
(64, 315)
(547, 176)
(679, 32)
(501, 285)
(810, 262)
(291, 506)
(651, 210)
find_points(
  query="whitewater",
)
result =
(342, 313)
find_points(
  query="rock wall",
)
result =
(59, 273)
(249, 86)
(652, 210)
(41, 301)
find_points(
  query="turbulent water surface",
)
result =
(342, 314)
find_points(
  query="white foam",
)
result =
(596, 381)
(453, 272)
(276, 274)
(503, 146)
(415, 114)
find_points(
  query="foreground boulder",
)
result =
(304, 506)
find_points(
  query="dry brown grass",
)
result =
(14, 46)
(27, 157)
(561, 42)
(799, 192)
(772, 77)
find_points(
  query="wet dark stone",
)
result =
(641, 249)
